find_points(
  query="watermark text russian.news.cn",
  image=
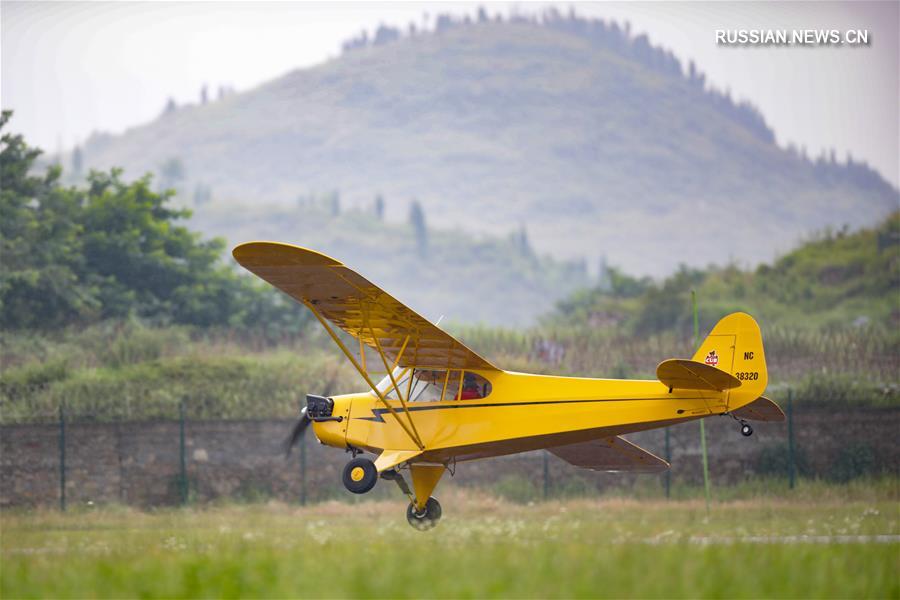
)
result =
(792, 37)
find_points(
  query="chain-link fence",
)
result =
(69, 457)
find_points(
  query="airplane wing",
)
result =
(610, 454)
(682, 374)
(357, 306)
(761, 409)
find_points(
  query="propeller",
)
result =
(297, 432)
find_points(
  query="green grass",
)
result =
(484, 547)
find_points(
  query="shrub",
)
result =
(853, 460)
(517, 488)
(775, 460)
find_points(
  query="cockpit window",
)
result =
(427, 386)
(474, 386)
(433, 385)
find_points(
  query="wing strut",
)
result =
(364, 374)
(390, 372)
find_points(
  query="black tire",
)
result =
(360, 475)
(428, 518)
(746, 430)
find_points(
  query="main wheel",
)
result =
(426, 519)
(360, 475)
(746, 430)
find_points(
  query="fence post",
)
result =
(62, 456)
(182, 477)
(792, 465)
(546, 457)
(668, 460)
(303, 470)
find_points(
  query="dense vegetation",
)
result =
(127, 371)
(836, 280)
(111, 250)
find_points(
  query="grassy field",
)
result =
(804, 547)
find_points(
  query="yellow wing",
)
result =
(610, 454)
(356, 305)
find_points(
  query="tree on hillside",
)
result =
(202, 194)
(385, 34)
(77, 161)
(604, 278)
(520, 241)
(334, 203)
(171, 174)
(420, 229)
(112, 249)
(379, 207)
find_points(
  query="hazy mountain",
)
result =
(462, 277)
(599, 143)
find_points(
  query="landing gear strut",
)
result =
(425, 478)
(746, 430)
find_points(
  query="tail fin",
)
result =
(735, 346)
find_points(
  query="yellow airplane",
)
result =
(440, 403)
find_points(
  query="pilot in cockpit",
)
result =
(470, 389)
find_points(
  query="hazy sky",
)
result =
(71, 68)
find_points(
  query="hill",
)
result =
(835, 281)
(600, 143)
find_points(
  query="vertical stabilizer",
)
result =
(735, 346)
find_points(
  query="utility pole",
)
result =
(702, 422)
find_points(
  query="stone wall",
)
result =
(139, 463)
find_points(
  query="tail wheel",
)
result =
(425, 519)
(746, 430)
(360, 475)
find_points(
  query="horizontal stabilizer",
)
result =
(610, 454)
(761, 409)
(680, 374)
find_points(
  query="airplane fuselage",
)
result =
(522, 412)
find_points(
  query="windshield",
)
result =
(386, 387)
